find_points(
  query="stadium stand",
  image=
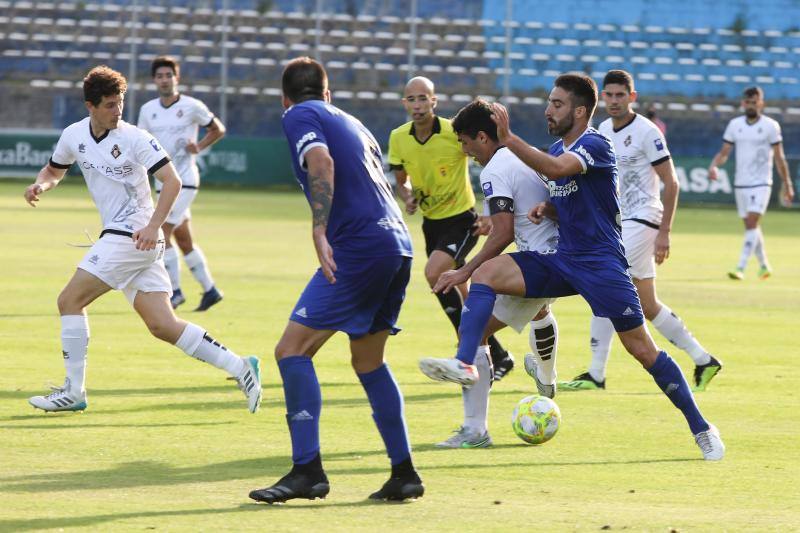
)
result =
(695, 55)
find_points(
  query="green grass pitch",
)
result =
(167, 443)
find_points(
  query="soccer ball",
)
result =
(536, 419)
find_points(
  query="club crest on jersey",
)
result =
(116, 152)
(487, 188)
(82, 148)
(627, 141)
(155, 116)
(659, 144)
(180, 113)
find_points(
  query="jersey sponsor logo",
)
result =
(155, 145)
(121, 170)
(487, 188)
(115, 151)
(585, 153)
(559, 191)
(82, 148)
(310, 136)
(659, 144)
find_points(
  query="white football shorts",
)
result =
(115, 260)
(180, 209)
(640, 248)
(752, 200)
(516, 311)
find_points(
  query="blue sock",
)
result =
(387, 411)
(474, 317)
(303, 406)
(669, 378)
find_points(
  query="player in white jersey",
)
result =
(644, 163)
(175, 119)
(511, 189)
(758, 140)
(115, 158)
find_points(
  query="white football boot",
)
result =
(531, 368)
(710, 444)
(466, 438)
(249, 382)
(61, 399)
(449, 369)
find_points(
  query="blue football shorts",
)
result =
(365, 299)
(604, 283)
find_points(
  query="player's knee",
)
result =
(160, 329)
(67, 304)
(432, 274)
(650, 309)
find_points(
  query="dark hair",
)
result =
(304, 79)
(103, 81)
(582, 88)
(165, 61)
(474, 117)
(753, 91)
(619, 77)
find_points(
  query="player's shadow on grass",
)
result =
(70, 425)
(161, 519)
(50, 314)
(262, 470)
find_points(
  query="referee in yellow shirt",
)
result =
(432, 176)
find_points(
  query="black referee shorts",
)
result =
(452, 235)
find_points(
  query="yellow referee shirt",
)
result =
(437, 169)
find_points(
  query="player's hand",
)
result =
(500, 117)
(411, 205)
(32, 193)
(146, 238)
(788, 193)
(192, 148)
(324, 254)
(448, 280)
(713, 173)
(662, 247)
(482, 226)
(537, 213)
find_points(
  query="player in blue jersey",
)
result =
(582, 175)
(364, 252)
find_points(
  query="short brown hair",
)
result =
(304, 79)
(165, 61)
(103, 81)
(582, 88)
(619, 77)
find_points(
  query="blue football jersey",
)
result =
(364, 219)
(589, 222)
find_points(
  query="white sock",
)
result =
(196, 342)
(748, 246)
(173, 268)
(74, 344)
(602, 333)
(670, 326)
(476, 398)
(543, 338)
(760, 250)
(196, 262)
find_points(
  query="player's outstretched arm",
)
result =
(501, 236)
(320, 191)
(720, 159)
(669, 197)
(783, 171)
(550, 167)
(47, 178)
(147, 237)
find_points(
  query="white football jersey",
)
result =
(115, 167)
(754, 144)
(174, 127)
(639, 146)
(506, 176)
